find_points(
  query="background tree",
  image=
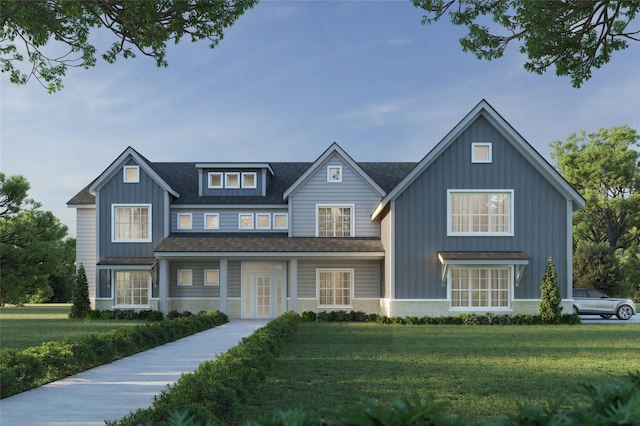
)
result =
(81, 303)
(550, 300)
(139, 26)
(596, 266)
(31, 247)
(13, 193)
(574, 35)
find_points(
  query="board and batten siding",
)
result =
(86, 245)
(540, 213)
(316, 190)
(147, 191)
(367, 276)
(228, 220)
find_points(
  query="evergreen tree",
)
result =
(81, 303)
(550, 309)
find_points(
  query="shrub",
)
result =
(81, 303)
(550, 301)
(309, 316)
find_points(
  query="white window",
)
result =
(263, 220)
(184, 221)
(249, 180)
(481, 152)
(480, 213)
(211, 277)
(215, 180)
(245, 220)
(334, 287)
(131, 174)
(132, 288)
(131, 223)
(185, 277)
(480, 287)
(334, 221)
(211, 221)
(280, 221)
(232, 180)
(334, 173)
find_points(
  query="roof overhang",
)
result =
(518, 259)
(236, 166)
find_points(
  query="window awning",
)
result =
(517, 258)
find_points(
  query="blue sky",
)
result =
(289, 79)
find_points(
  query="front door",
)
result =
(263, 290)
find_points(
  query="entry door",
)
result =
(263, 293)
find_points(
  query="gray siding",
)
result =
(233, 278)
(117, 192)
(228, 220)
(421, 222)
(316, 190)
(366, 276)
(197, 289)
(232, 192)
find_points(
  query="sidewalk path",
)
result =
(112, 391)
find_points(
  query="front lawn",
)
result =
(480, 371)
(33, 325)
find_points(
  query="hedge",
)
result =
(36, 366)
(217, 389)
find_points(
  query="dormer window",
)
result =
(249, 180)
(232, 180)
(481, 152)
(215, 180)
(131, 174)
(334, 174)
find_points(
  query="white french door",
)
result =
(263, 290)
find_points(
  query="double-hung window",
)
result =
(480, 212)
(334, 286)
(131, 223)
(132, 288)
(334, 221)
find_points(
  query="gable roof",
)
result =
(142, 162)
(334, 148)
(509, 133)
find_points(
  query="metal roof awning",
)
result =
(127, 261)
(517, 258)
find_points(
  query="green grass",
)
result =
(479, 371)
(32, 325)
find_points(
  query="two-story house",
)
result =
(467, 229)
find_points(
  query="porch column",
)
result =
(223, 286)
(163, 286)
(293, 284)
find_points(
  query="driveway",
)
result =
(596, 319)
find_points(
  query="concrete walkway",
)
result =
(112, 391)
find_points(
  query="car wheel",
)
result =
(624, 312)
(606, 316)
(575, 310)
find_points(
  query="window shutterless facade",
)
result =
(232, 180)
(334, 287)
(480, 287)
(215, 180)
(212, 277)
(475, 212)
(245, 220)
(132, 288)
(263, 220)
(481, 152)
(131, 174)
(280, 221)
(334, 221)
(249, 180)
(184, 221)
(211, 221)
(185, 277)
(131, 223)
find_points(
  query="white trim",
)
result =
(227, 175)
(114, 288)
(216, 284)
(237, 166)
(181, 215)
(125, 175)
(240, 220)
(184, 283)
(510, 233)
(324, 255)
(257, 220)
(477, 160)
(130, 240)
(255, 180)
(352, 219)
(352, 280)
(569, 248)
(332, 177)
(217, 216)
(210, 175)
(286, 217)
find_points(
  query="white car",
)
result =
(589, 301)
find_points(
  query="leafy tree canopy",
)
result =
(139, 26)
(605, 168)
(13, 193)
(574, 35)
